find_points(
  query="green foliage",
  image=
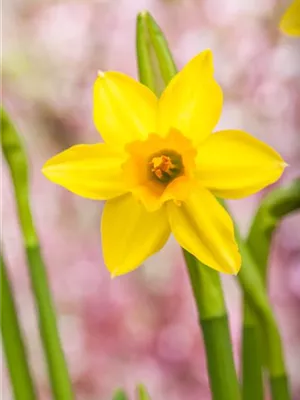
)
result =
(120, 395)
(13, 343)
(142, 392)
(17, 162)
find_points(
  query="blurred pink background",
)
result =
(141, 327)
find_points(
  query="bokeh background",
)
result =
(141, 327)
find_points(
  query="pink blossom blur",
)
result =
(141, 327)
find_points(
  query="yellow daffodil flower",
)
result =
(160, 167)
(290, 22)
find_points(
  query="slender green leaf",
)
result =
(120, 395)
(16, 159)
(145, 59)
(142, 392)
(13, 342)
(164, 56)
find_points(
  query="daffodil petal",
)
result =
(290, 22)
(124, 109)
(130, 234)
(203, 227)
(192, 101)
(92, 171)
(234, 164)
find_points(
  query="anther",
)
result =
(166, 166)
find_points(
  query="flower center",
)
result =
(165, 166)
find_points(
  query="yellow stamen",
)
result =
(161, 164)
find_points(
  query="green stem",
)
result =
(13, 344)
(207, 288)
(252, 285)
(213, 320)
(252, 380)
(272, 209)
(280, 388)
(251, 371)
(257, 300)
(17, 163)
(276, 205)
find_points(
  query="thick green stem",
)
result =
(213, 320)
(17, 163)
(207, 288)
(251, 356)
(13, 344)
(280, 388)
(252, 380)
(222, 374)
